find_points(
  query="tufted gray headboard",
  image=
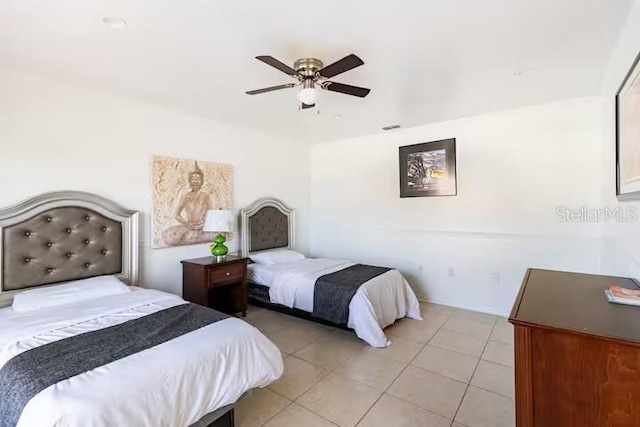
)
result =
(63, 236)
(267, 224)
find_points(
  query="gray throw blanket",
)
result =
(333, 292)
(28, 373)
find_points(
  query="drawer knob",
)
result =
(227, 274)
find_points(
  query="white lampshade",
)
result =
(308, 95)
(218, 221)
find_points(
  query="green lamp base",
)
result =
(218, 249)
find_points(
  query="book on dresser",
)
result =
(577, 356)
(619, 295)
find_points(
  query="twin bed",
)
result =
(290, 284)
(99, 350)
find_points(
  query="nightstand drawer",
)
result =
(225, 274)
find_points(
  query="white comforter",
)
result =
(172, 384)
(377, 304)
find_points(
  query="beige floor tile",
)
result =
(297, 416)
(268, 322)
(428, 390)
(493, 377)
(299, 376)
(253, 311)
(436, 317)
(258, 406)
(292, 338)
(328, 353)
(475, 315)
(340, 400)
(502, 332)
(419, 330)
(480, 326)
(498, 352)
(291, 320)
(426, 307)
(373, 370)
(316, 329)
(345, 336)
(459, 342)
(482, 408)
(390, 411)
(340, 332)
(362, 372)
(446, 362)
(401, 349)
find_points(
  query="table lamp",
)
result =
(218, 221)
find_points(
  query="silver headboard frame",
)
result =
(267, 224)
(35, 211)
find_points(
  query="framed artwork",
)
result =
(183, 191)
(628, 135)
(428, 169)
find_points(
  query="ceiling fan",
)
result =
(310, 74)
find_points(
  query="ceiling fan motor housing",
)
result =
(308, 67)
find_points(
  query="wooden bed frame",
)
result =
(47, 239)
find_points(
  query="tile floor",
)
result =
(455, 368)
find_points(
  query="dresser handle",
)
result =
(227, 274)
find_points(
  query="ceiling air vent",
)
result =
(391, 127)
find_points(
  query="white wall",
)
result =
(621, 240)
(514, 169)
(56, 136)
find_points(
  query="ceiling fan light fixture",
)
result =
(308, 95)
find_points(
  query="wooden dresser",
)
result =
(577, 356)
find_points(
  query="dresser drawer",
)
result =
(225, 274)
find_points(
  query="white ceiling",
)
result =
(425, 60)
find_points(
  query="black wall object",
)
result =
(428, 169)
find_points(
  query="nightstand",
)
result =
(219, 285)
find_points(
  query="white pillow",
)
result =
(276, 257)
(67, 293)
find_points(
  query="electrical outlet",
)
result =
(452, 272)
